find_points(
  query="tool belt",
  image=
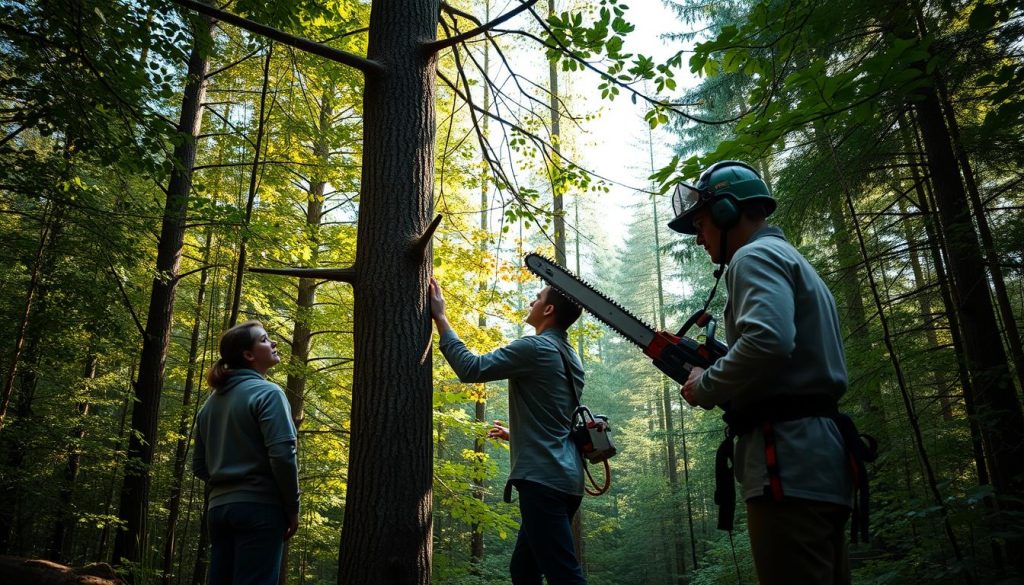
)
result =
(860, 449)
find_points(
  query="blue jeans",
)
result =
(545, 544)
(246, 542)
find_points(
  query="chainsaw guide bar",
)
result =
(593, 301)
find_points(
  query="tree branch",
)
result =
(127, 300)
(363, 64)
(336, 274)
(433, 47)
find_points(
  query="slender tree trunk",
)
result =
(202, 555)
(556, 139)
(185, 421)
(476, 545)
(103, 545)
(295, 387)
(23, 368)
(898, 371)
(666, 392)
(924, 303)
(15, 451)
(63, 530)
(686, 481)
(131, 542)
(254, 175)
(52, 218)
(386, 535)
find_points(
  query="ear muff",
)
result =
(724, 212)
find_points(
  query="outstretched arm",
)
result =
(516, 358)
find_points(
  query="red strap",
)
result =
(771, 461)
(597, 491)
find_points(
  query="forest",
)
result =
(169, 168)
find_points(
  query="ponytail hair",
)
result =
(233, 344)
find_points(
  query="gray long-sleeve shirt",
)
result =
(540, 403)
(784, 339)
(781, 326)
(245, 444)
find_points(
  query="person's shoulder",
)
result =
(253, 384)
(770, 246)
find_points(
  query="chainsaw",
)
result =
(675, 355)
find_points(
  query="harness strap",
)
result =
(860, 449)
(771, 460)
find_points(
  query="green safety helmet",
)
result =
(723, 186)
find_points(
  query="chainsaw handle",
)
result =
(676, 356)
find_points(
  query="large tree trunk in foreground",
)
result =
(131, 541)
(386, 537)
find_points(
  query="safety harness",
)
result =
(860, 449)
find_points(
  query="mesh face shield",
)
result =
(686, 197)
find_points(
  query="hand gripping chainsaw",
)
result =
(675, 355)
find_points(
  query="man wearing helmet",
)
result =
(778, 383)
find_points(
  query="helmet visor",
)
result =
(686, 196)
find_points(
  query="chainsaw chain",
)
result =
(583, 282)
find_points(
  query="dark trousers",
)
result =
(798, 541)
(545, 545)
(246, 543)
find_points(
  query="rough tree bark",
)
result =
(130, 542)
(386, 536)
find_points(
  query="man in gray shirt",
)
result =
(547, 469)
(779, 382)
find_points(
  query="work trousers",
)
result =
(798, 541)
(246, 543)
(545, 544)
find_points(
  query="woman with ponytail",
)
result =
(245, 452)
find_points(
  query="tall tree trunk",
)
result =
(26, 356)
(131, 542)
(386, 536)
(254, 174)
(666, 391)
(686, 481)
(103, 546)
(937, 246)
(897, 367)
(924, 302)
(556, 139)
(52, 218)
(185, 421)
(14, 449)
(476, 545)
(202, 556)
(295, 387)
(1010, 329)
(998, 406)
(60, 539)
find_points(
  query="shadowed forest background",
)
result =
(152, 152)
